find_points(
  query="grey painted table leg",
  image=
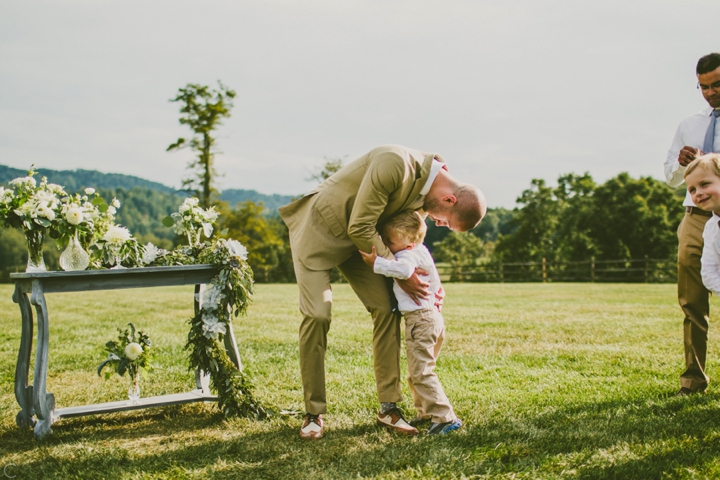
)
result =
(23, 390)
(44, 403)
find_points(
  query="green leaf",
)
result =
(168, 221)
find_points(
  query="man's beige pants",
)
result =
(424, 334)
(694, 301)
(316, 305)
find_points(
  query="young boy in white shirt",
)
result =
(424, 325)
(702, 178)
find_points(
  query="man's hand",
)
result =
(415, 286)
(687, 155)
(369, 258)
(439, 297)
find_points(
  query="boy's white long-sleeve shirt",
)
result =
(711, 255)
(405, 263)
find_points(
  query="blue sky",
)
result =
(506, 92)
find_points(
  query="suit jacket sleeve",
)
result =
(383, 177)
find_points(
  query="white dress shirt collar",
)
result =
(434, 170)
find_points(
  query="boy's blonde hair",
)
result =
(709, 162)
(408, 224)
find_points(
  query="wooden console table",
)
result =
(37, 406)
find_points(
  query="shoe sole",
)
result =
(402, 431)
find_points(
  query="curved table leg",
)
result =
(23, 389)
(44, 403)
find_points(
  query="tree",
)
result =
(636, 218)
(202, 110)
(331, 166)
(247, 224)
(459, 250)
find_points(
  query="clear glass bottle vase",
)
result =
(74, 257)
(134, 392)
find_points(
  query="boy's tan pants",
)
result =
(424, 334)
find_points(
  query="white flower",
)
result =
(45, 211)
(89, 191)
(133, 350)
(207, 229)
(117, 235)
(111, 210)
(115, 203)
(212, 297)
(212, 326)
(151, 253)
(24, 181)
(236, 249)
(25, 209)
(74, 215)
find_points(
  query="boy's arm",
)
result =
(402, 267)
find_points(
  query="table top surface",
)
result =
(119, 272)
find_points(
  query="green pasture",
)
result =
(551, 381)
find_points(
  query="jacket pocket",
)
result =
(331, 220)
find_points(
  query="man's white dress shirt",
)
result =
(691, 133)
(405, 263)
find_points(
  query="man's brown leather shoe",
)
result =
(312, 427)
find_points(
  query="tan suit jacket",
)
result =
(342, 214)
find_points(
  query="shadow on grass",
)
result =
(613, 439)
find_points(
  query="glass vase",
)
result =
(36, 262)
(134, 392)
(74, 257)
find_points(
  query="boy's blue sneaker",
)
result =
(443, 428)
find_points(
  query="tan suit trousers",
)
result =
(694, 301)
(424, 334)
(316, 305)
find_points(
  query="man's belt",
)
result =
(698, 211)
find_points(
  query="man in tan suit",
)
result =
(327, 228)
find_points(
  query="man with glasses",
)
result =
(698, 134)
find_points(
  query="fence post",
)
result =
(502, 276)
(592, 269)
(544, 273)
(646, 269)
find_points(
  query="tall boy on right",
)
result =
(695, 136)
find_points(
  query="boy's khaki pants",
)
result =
(424, 334)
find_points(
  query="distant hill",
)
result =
(76, 180)
(272, 202)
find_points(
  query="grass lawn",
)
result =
(550, 380)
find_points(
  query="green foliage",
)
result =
(623, 218)
(264, 239)
(202, 110)
(131, 353)
(459, 250)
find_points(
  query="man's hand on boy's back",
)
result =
(415, 286)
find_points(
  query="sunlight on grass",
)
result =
(551, 381)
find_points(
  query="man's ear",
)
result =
(449, 200)
(410, 247)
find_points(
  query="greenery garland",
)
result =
(226, 296)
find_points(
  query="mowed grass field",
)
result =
(551, 381)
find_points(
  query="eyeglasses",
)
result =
(715, 86)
